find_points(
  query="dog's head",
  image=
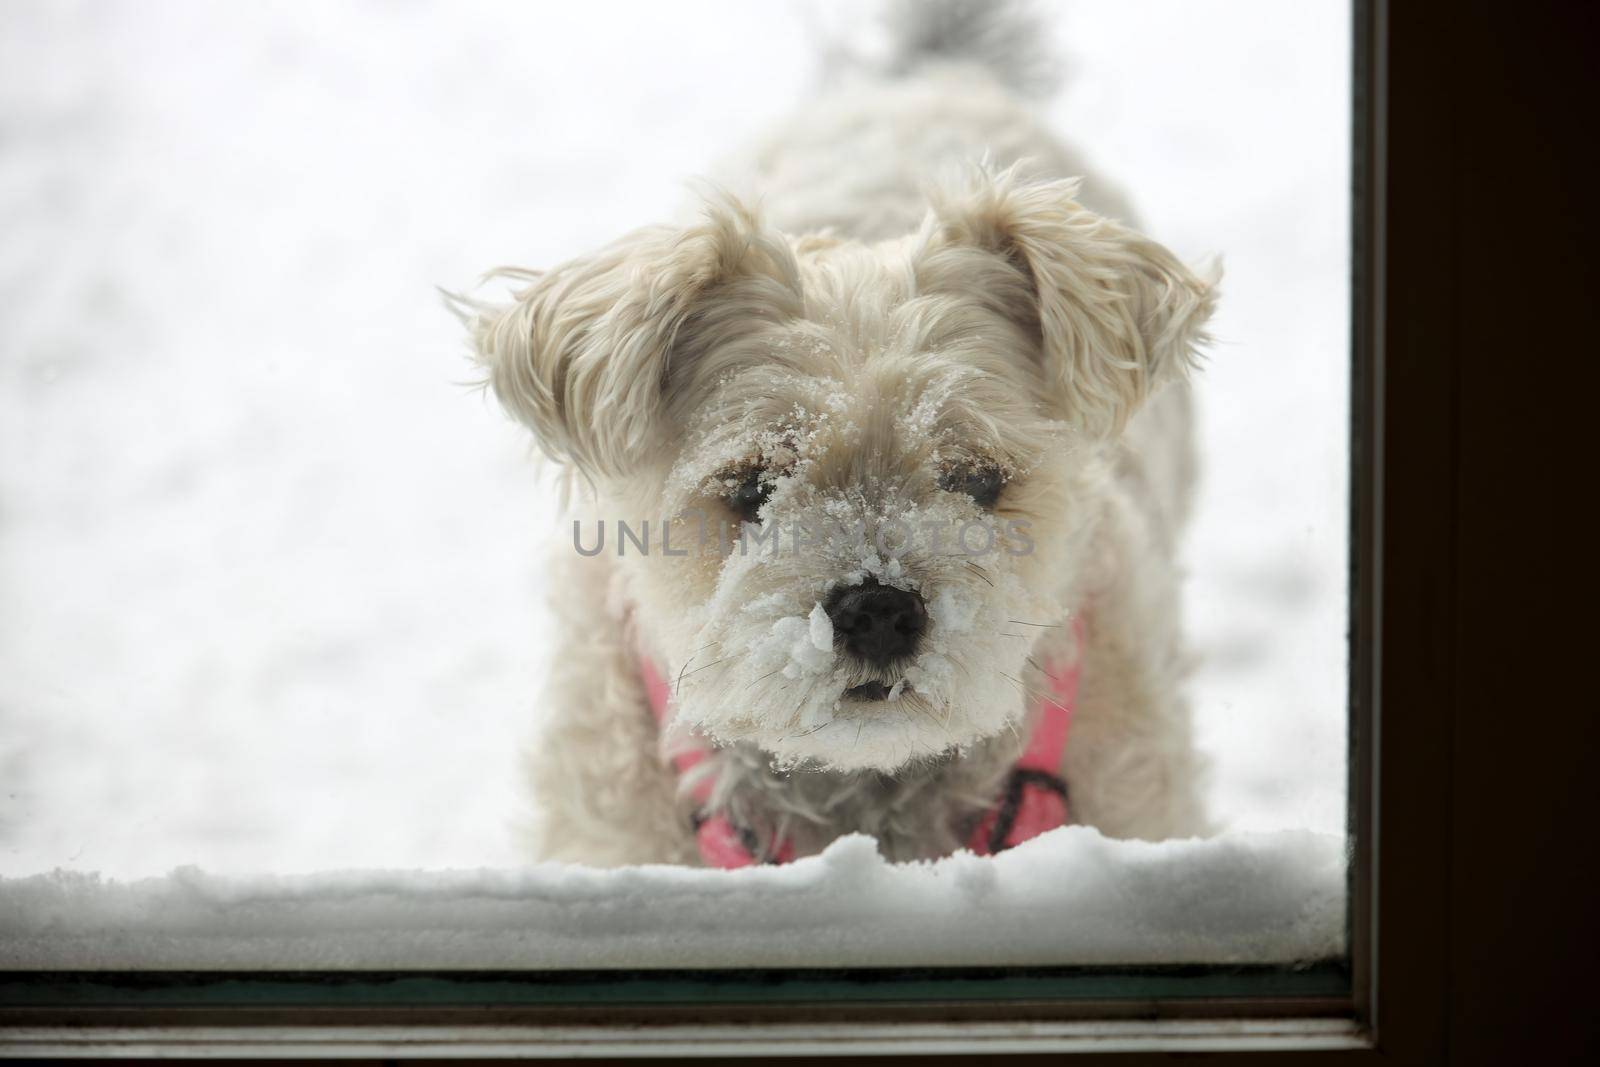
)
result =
(875, 462)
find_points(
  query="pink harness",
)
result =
(1033, 800)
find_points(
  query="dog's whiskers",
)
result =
(692, 654)
(944, 723)
(919, 708)
(697, 670)
(763, 678)
(1012, 726)
(1028, 690)
(678, 684)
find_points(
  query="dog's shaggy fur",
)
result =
(856, 354)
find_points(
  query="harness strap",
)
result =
(1033, 799)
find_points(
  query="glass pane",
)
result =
(276, 662)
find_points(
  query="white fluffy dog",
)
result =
(897, 452)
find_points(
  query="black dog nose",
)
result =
(877, 622)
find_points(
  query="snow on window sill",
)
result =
(1068, 897)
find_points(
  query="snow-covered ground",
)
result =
(268, 598)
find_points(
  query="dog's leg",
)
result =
(603, 795)
(1130, 763)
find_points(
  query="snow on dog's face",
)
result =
(868, 455)
(882, 581)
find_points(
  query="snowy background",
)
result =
(268, 595)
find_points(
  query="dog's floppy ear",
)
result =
(585, 354)
(1117, 314)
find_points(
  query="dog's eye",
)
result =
(982, 483)
(751, 492)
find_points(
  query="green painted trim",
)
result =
(1330, 978)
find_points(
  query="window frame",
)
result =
(1403, 464)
